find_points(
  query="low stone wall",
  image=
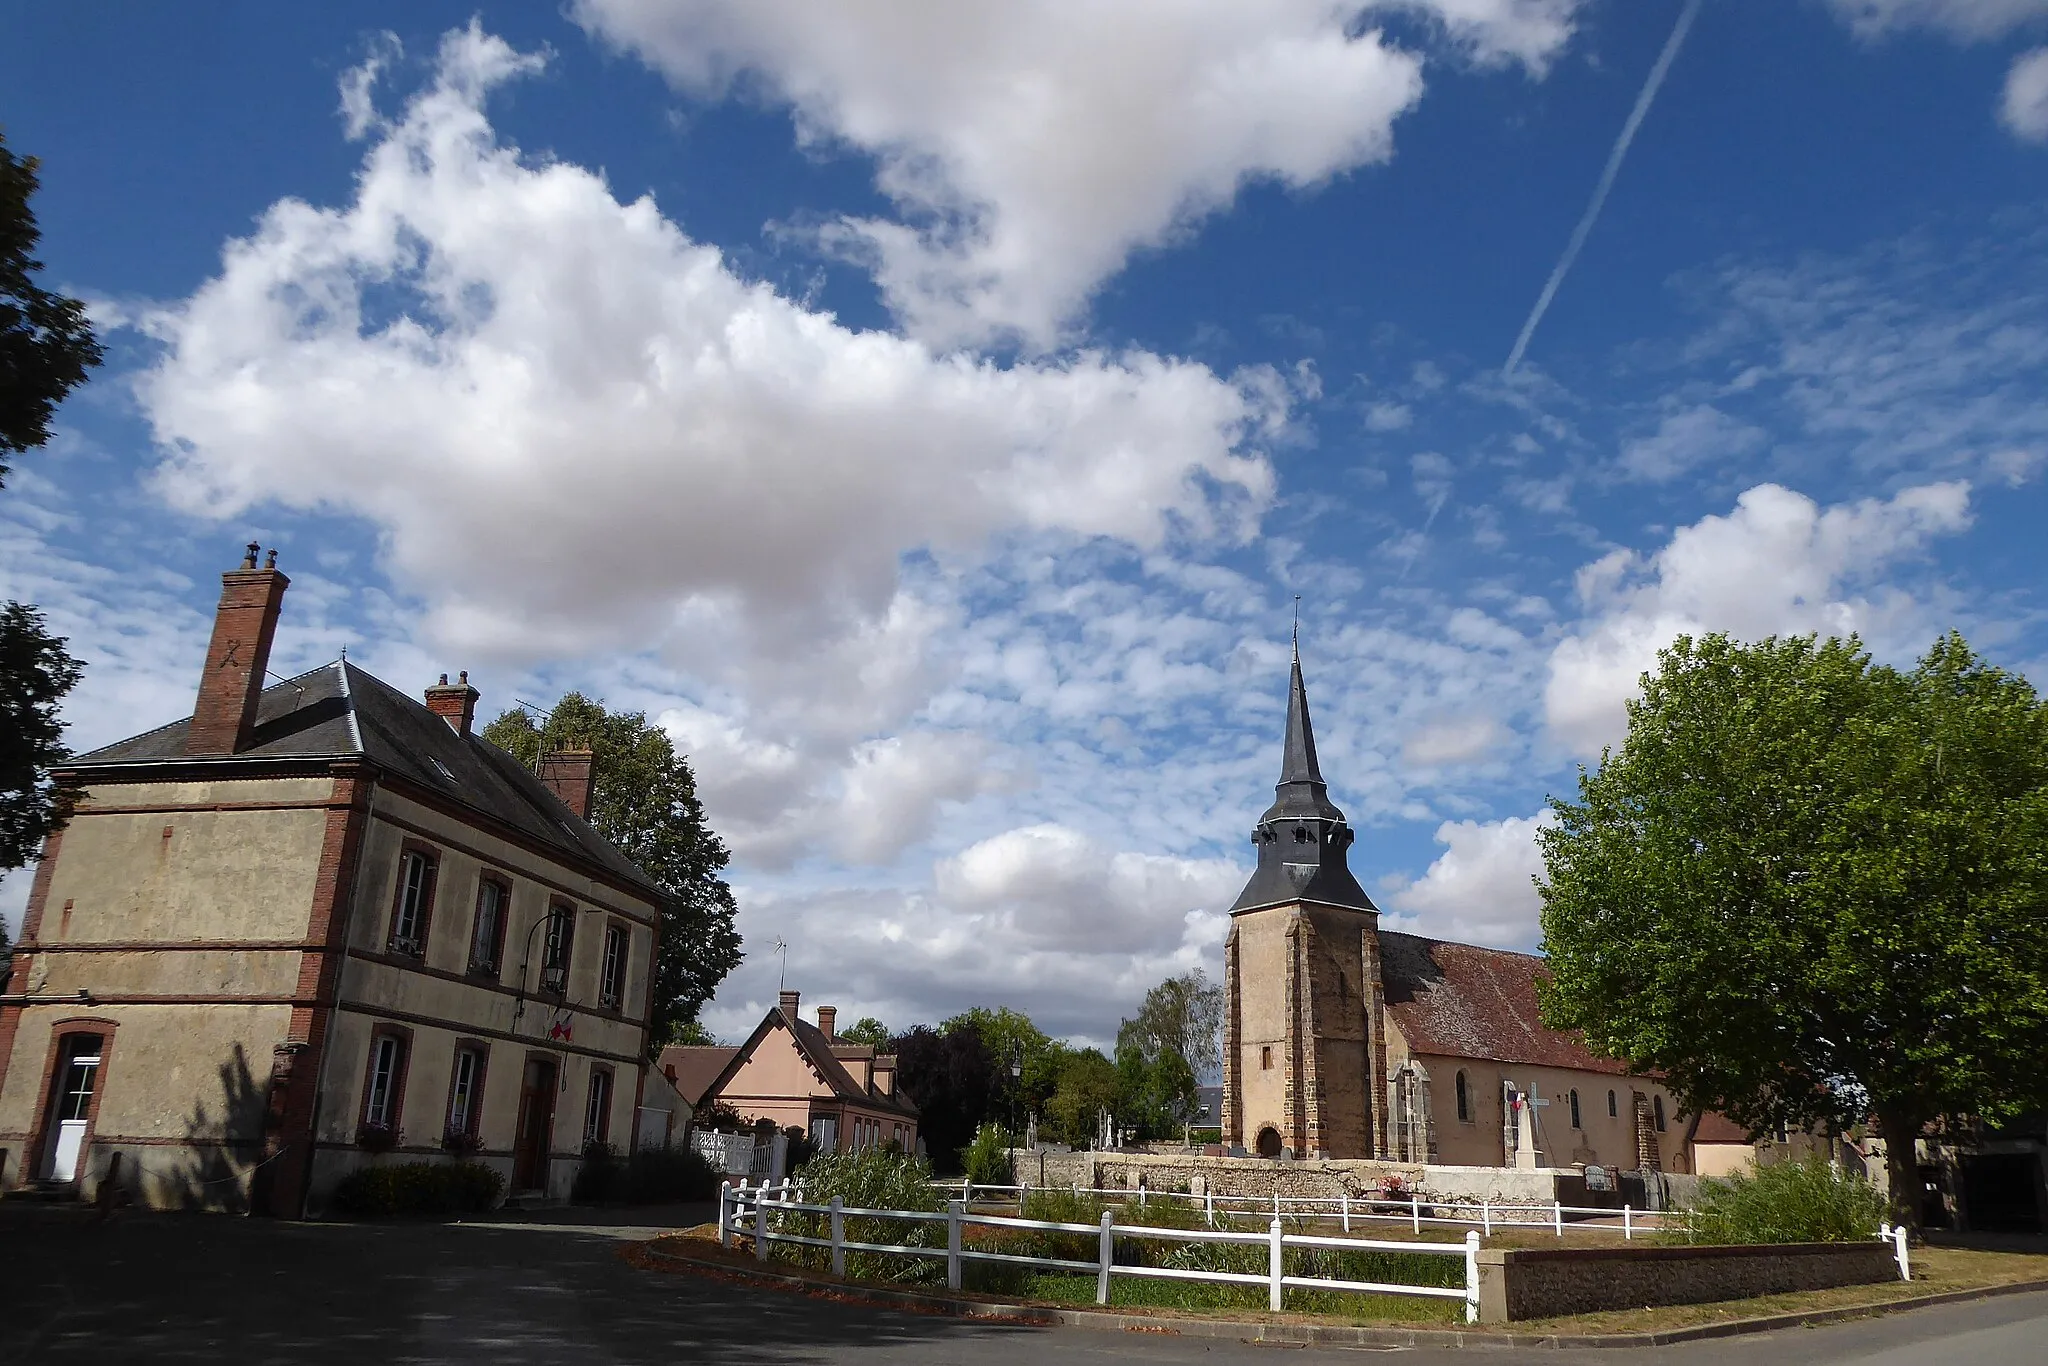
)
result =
(1517, 1284)
(1261, 1178)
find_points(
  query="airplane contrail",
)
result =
(1613, 168)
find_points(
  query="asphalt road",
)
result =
(197, 1288)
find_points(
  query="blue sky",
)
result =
(930, 412)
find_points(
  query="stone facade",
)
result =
(1543, 1283)
(1343, 1041)
(313, 927)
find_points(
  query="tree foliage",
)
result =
(1809, 888)
(1087, 1086)
(46, 343)
(35, 674)
(645, 802)
(870, 1031)
(46, 347)
(1183, 1016)
(951, 1077)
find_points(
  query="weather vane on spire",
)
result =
(1297, 628)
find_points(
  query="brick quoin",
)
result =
(17, 979)
(299, 1061)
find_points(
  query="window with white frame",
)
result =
(386, 1075)
(465, 1092)
(612, 980)
(415, 902)
(487, 936)
(597, 1112)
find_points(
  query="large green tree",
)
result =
(46, 348)
(1808, 888)
(646, 803)
(1087, 1086)
(1026, 1059)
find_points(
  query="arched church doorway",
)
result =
(1269, 1142)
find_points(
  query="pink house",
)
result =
(797, 1074)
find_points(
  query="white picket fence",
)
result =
(739, 1206)
(1347, 1210)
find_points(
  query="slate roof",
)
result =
(339, 711)
(1462, 1001)
(697, 1066)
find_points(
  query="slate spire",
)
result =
(1302, 837)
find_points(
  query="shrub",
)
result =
(650, 1176)
(419, 1188)
(987, 1158)
(871, 1179)
(1790, 1202)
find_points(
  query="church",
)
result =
(1344, 1040)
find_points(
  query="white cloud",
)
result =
(1777, 564)
(2025, 108)
(1968, 20)
(1480, 889)
(1031, 148)
(580, 428)
(1046, 886)
(1045, 918)
(1454, 740)
(1687, 439)
(578, 432)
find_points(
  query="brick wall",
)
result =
(1547, 1282)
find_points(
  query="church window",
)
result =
(1464, 1100)
(1660, 1114)
(1611, 1111)
(1575, 1111)
(1301, 835)
(1265, 1057)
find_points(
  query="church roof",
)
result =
(1463, 1001)
(339, 711)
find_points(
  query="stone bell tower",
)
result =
(1304, 1049)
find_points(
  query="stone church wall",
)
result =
(1261, 1179)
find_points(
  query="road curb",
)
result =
(1305, 1334)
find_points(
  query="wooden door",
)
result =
(536, 1126)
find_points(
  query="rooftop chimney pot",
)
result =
(828, 1017)
(788, 1002)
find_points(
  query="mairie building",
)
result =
(317, 925)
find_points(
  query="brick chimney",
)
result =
(243, 626)
(454, 703)
(828, 1017)
(788, 1003)
(569, 775)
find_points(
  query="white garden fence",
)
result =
(753, 1212)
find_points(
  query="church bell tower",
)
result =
(1304, 1052)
